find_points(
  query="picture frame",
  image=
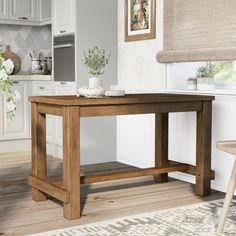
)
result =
(140, 20)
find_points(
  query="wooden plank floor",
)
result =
(19, 215)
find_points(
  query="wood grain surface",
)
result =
(128, 99)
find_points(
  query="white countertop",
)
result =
(31, 77)
(216, 92)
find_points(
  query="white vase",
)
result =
(205, 83)
(95, 82)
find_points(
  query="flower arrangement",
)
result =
(95, 60)
(6, 68)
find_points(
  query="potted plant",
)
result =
(95, 60)
(6, 67)
(205, 77)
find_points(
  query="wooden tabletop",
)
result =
(127, 99)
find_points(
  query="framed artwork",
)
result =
(140, 19)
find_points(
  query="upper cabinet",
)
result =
(63, 16)
(3, 9)
(45, 10)
(25, 12)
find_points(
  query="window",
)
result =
(227, 72)
(179, 73)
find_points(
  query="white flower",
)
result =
(9, 66)
(11, 106)
(16, 96)
(3, 75)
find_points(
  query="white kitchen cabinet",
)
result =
(19, 128)
(25, 12)
(53, 123)
(3, 9)
(62, 88)
(45, 11)
(63, 16)
(45, 89)
(42, 88)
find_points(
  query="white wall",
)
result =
(137, 65)
(97, 26)
(183, 127)
(139, 71)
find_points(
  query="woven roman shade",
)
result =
(199, 30)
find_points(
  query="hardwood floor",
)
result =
(19, 215)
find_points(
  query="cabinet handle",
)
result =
(41, 88)
(62, 31)
(23, 18)
(15, 82)
(68, 45)
(63, 83)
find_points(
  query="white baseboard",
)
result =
(15, 154)
(191, 179)
(15, 146)
(136, 164)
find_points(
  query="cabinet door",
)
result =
(45, 89)
(3, 9)
(63, 16)
(25, 10)
(45, 10)
(62, 88)
(19, 128)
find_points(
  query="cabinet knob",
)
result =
(62, 31)
(23, 18)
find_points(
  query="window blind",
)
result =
(198, 30)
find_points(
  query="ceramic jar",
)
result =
(95, 82)
(192, 84)
(205, 83)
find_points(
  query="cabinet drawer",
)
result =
(45, 88)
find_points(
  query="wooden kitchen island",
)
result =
(71, 108)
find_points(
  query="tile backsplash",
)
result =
(25, 39)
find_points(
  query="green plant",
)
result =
(207, 71)
(95, 60)
(6, 87)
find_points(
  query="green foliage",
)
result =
(207, 71)
(6, 88)
(95, 60)
(227, 71)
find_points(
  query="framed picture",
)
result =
(140, 20)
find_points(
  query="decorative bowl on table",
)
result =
(91, 92)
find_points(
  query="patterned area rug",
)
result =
(194, 220)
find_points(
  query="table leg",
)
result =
(71, 161)
(203, 155)
(161, 145)
(39, 156)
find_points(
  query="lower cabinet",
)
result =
(61, 88)
(54, 123)
(45, 89)
(19, 128)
